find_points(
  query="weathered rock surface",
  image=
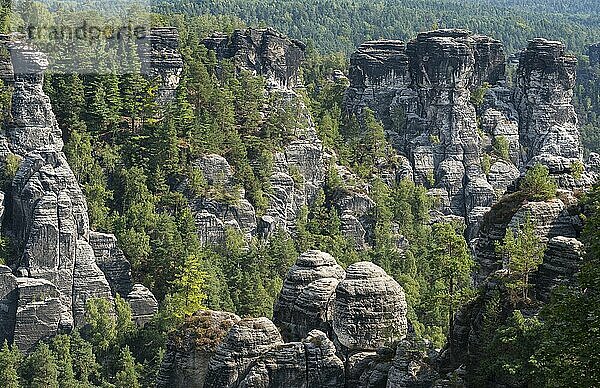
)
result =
(411, 368)
(38, 312)
(310, 363)
(46, 216)
(191, 347)
(369, 309)
(421, 91)
(160, 57)
(263, 51)
(245, 343)
(305, 301)
(548, 126)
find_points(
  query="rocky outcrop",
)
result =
(160, 58)
(305, 301)
(421, 91)
(56, 271)
(369, 310)
(412, 367)
(262, 51)
(242, 347)
(548, 125)
(310, 363)
(191, 347)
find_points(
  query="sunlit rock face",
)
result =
(369, 309)
(305, 301)
(56, 269)
(263, 51)
(421, 91)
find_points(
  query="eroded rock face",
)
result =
(160, 57)
(411, 368)
(548, 126)
(47, 218)
(421, 91)
(310, 363)
(369, 308)
(305, 301)
(244, 344)
(264, 51)
(190, 349)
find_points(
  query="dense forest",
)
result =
(138, 174)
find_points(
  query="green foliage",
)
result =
(10, 357)
(524, 253)
(501, 147)
(451, 266)
(577, 169)
(61, 348)
(486, 163)
(9, 170)
(127, 376)
(39, 369)
(188, 296)
(537, 184)
(478, 94)
(101, 328)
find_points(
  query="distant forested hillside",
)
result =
(341, 25)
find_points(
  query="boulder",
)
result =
(369, 309)
(245, 343)
(310, 363)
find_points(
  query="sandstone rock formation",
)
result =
(421, 91)
(431, 93)
(548, 127)
(299, 168)
(160, 57)
(47, 285)
(305, 301)
(263, 51)
(369, 310)
(242, 347)
(190, 349)
(310, 363)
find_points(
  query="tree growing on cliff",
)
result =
(538, 185)
(524, 252)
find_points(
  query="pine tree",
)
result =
(40, 369)
(451, 263)
(127, 376)
(524, 253)
(61, 348)
(85, 366)
(10, 358)
(537, 184)
(189, 293)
